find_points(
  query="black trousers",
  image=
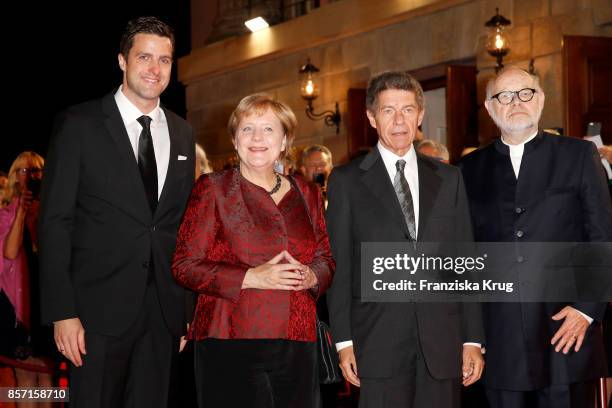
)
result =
(256, 374)
(131, 370)
(578, 395)
(413, 387)
(410, 385)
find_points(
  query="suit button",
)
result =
(519, 234)
(519, 210)
(145, 265)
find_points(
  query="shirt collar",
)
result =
(521, 145)
(390, 158)
(130, 113)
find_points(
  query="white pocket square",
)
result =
(182, 157)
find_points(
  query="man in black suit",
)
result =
(118, 175)
(530, 186)
(400, 354)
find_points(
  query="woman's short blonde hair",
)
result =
(258, 104)
(24, 159)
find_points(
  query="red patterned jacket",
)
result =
(231, 225)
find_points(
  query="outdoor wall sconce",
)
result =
(497, 41)
(309, 89)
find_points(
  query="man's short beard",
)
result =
(509, 127)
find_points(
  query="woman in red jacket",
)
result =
(254, 246)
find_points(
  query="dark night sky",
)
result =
(60, 54)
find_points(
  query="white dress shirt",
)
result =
(516, 153)
(159, 133)
(516, 157)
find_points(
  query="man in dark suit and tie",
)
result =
(117, 179)
(400, 354)
(530, 186)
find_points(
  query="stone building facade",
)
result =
(349, 40)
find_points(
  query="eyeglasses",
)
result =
(506, 97)
(30, 170)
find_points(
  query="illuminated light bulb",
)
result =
(309, 87)
(499, 42)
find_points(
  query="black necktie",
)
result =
(402, 190)
(146, 161)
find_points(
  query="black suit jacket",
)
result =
(560, 196)
(363, 207)
(96, 231)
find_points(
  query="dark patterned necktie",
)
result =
(402, 190)
(146, 161)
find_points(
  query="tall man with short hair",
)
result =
(401, 354)
(529, 186)
(117, 179)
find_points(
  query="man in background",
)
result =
(317, 164)
(434, 149)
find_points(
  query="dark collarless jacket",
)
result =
(363, 207)
(99, 239)
(559, 196)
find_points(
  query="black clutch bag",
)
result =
(329, 365)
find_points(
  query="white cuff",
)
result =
(469, 343)
(344, 344)
(589, 319)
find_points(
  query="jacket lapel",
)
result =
(429, 186)
(376, 179)
(134, 193)
(171, 175)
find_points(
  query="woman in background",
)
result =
(202, 164)
(19, 269)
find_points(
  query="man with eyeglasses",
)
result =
(530, 186)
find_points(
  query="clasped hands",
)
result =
(283, 272)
